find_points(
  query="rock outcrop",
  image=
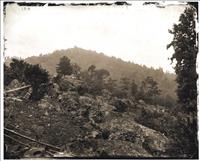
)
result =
(91, 126)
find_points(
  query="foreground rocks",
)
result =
(90, 126)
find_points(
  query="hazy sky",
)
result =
(135, 33)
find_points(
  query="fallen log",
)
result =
(17, 89)
(14, 99)
(33, 140)
(12, 126)
(16, 140)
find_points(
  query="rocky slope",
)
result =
(83, 125)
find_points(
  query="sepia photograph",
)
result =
(99, 80)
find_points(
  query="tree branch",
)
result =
(17, 89)
(16, 140)
(33, 140)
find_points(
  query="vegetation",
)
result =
(33, 75)
(64, 67)
(8, 77)
(95, 79)
(105, 107)
(149, 90)
(186, 49)
(116, 67)
(134, 88)
(38, 78)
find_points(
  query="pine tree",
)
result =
(149, 90)
(124, 86)
(186, 49)
(111, 84)
(8, 75)
(64, 67)
(76, 69)
(133, 88)
(17, 68)
(38, 78)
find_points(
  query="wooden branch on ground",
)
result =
(33, 140)
(16, 140)
(17, 89)
(14, 99)
(17, 128)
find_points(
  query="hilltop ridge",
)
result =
(117, 67)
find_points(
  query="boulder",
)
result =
(14, 84)
(152, 140)
(96, 116)
(120, 105)
(54, 90)
(86, 101)
(44, 104)
(70, 83)
(141, 102)
(121, 149)
(65, 85)
(65, 96)
(103, 134)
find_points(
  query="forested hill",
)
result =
(117, 67)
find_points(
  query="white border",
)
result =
(1, 86)
(74, 1)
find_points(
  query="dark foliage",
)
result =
(120, 105)
(111, 85)
(149, 90)
(76, 69)
(17, 67)
(8, 75)
(95, 79)
(124, 87)
(33, 75)
(185, 46)
(134, 88)
(38, 78)
(64, 67)
(186, 49)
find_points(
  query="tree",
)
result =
(17, 68)
(186, 49)
(149, 90)
(133, 88)
(64, 67)
(33, 75)
(101, 74)
(111, 85)
(91, 68)
(38, 78)
(95, 79)
(124, 87)
(76, 69)
(8, 75)
(98, 80)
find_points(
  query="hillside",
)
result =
(117, 67)
(77, 116)
(67, 124)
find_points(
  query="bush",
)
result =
(38, 78)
